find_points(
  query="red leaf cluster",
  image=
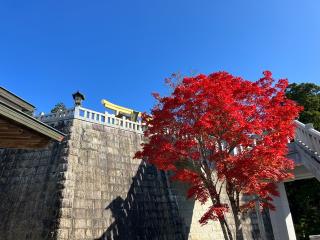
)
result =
(219, 123)
(215, 212)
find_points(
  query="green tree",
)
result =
(308, 96)
(59, 107)
(304, 200)
(304, 195)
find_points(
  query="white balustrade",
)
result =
(308, 137)
(51, 117)
(94, 117)
(305, 134)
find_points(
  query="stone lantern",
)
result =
(78, 98)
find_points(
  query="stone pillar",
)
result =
(281, 219)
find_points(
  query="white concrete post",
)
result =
(281, 219)
(76, 111)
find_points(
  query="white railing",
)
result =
(61, 115)
(94, 117)
(307, 137)
(108, 119)
(305, 134)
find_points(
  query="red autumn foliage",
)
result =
(215, 212)
(220, 131)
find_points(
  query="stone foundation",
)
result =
(31, 184)
(90, 187)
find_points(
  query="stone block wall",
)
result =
(191, 211)
(110, 195)
(90, 187)
(30, 190)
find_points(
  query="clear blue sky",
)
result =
(122, 50)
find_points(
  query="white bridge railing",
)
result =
(307, 140)
(94, 117)
(307, 137)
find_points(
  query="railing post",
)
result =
(310, 138)
(76, 112)
(308, 126)
(124, 122)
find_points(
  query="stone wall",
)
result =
(30, 190)
(191, 211)
(110, 195)
(90, 187)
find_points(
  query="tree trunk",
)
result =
(237, 218)
(239, 233)
(224, 225)
(215, 198)
(229, 236)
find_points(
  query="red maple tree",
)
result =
(223, 134)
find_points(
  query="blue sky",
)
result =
(122, 50)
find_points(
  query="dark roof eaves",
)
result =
(30, 122)
(16, 96)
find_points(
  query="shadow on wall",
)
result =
(148, 212)
(30, 190)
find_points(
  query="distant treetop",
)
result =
(308, 96)
(59, 107)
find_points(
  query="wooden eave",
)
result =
(20, 130)
(15, 101)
